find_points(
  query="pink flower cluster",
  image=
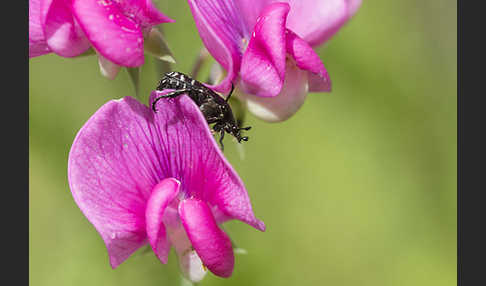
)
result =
(159, 178)
(114, 28)
(267, 47)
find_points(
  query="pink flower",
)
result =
(114, 28)
(159, 178)
(266, 46)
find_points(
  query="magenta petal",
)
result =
(224, 34)
(112, 170)
(269, 33)
(211, 244)
(125, 149)
(114, 35)
(210, 176)
(317, 20)
(63, 35)
(37, 42)
(263, 64)
(306, 59)
(259, 75)
(160, 198)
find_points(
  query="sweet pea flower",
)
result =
(159, 178)
(116, 29)
(266, 47)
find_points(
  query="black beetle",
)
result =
(214, 107)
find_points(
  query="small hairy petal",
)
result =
(63, 35)
(116, 36)
(163, 193)
(211, 244)
(286, 103)
(306, 59)
(263, 64)
(37, 42)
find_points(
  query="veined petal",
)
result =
(286, 103)
(63, 35)
(306, 59)
(163, 193)
(195, 159)
(112, 169)
(37, 42)
(125, 149)
(116, 36)
(263, 64)
(211, 244)
(224, 34)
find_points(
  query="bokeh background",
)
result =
(358, 188)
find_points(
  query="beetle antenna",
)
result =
(231, 92)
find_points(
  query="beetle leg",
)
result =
(242, 139)
(173, 94)
(231, 92)
(221, 139)
(212, 120)
(246, 128)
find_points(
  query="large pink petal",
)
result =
(37, 41)
(307, 59)
(112, 169)
(161, 197)
(211, 244)
(63, 35)
(125, 149)
(263, 64)
(195, 159)
(224, 34)
(287, 102)
(116, 36)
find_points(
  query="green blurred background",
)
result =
(358, 188)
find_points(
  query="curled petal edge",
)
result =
(162, 195)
